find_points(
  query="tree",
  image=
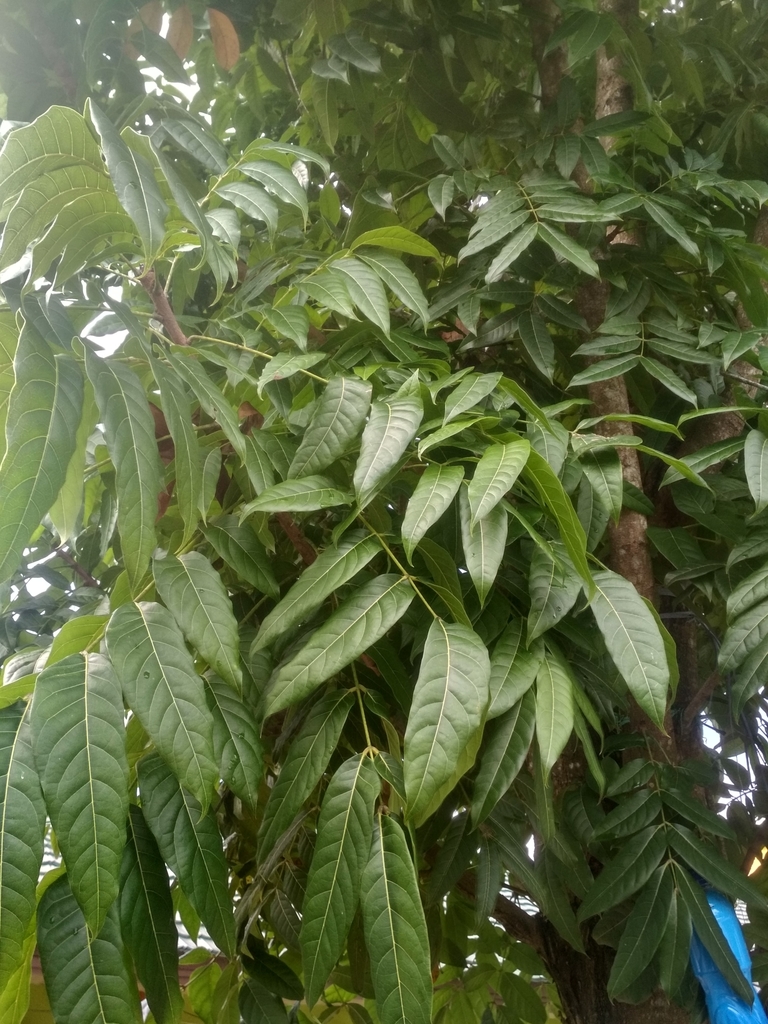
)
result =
(381, 582)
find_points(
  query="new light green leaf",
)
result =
(86, 978)
(177, 409)
(366, 616)
(331, 569)
(484, 545)
(343, 845)
(391, 427)
(553, 586)
(190, 844)
(193, 592)
(398, 238)
(450, 700)
(554, 498)
(756, 467)
(506, 743)
(134, 182)
(400, 280)
(147, 920)
(161, 686)
(130, 436)
(514, 666)
(41, 434)
(305, 495)
(236, 741)
(336, 423)
(643, 931)
(395, 929)
(554, 709)
(22, 827)
(434, 493)
(77, 722)
(494, 475)
(303, 766)
(633, 641)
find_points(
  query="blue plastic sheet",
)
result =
(723, 1005)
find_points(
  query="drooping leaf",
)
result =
(333, 888)
(330, 570)
(450, 700)
(494, 475)
(391, 426)
(305, 495)
(514, 666)
(304, 764)
(554, 709)
(79, 742)
(41, 431)
(470, 392)
(714, 868)
(162, 688)
(194, 594)
(147, 920)
(190, 844)
(361, 620)
(336, 422)
(633, 641)
(756, 467)
(626, 873)
(400, 280)
(604, 473)
(253, 200)
(130, 437)
(484, 545)
(239, 547)
(365, 289)
(553, 587)
(395, 929)
(22, 827)
(553, 496)
(85, 978)
(434, 492)
(506, 743)
(643, 931)
(279, 181)
(236, 741)
(537, 342)
(675, 945)
(177, 410)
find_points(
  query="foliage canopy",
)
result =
(378, 584)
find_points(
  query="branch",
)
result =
(512, 918)
(84, 575)
(165, 314)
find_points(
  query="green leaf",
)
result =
(399, 279)
(470, 392)
(521, 999)
(484, 545)
(514, 248)
(514, 667)
(708, 456)
(288, 322)
(693, 811)
(633, 641)
(303, 766)
(667, 223)
(642, 932)
(305, 495)
(279, 181)
(192, 591)
(711, 934)
(441, 191)
(362, 619)
(236, 742)
(285, 365)
(147, 920)
(494, 475)
(675, 946)
(391, 427)
(553, 587)
(554, 498)
(626, 873)
(162, 688)
(336, 423)
(708, 863)
(537, 342)
(177, 410)
(16, 990)
(134, 182)
(330, 570)
(434, 493)
(669, 379)
(190, 844)
(554, 710)
(86, 978)
(41, 432)
(325, 102)
(563, 245)
(365, 289)
(355, 50)
(22, 827)
(252, 200)
(343, 845)
(756, 467)
(506, 743)
(130, 437)
(604, 473)
(330, 290)
(211, 400)
(77, 721)
(604, 369)
(397, 238)
(395, 929)
(631, 815)
(450, 700)
(240, 548)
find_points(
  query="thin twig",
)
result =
(165, 314)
